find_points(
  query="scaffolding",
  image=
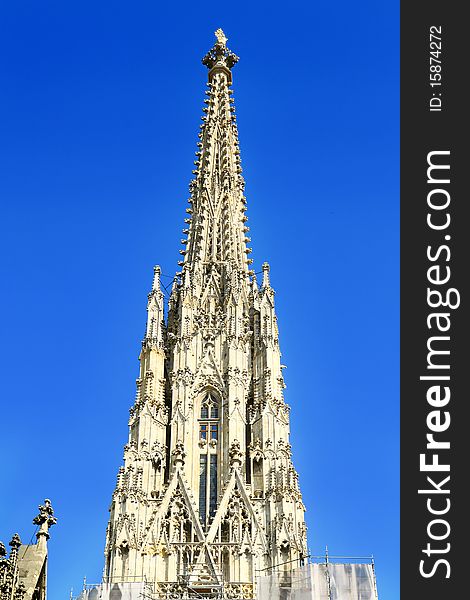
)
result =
(321, 578)
(317, 578)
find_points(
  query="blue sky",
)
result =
(100, 105)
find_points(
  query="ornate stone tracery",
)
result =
(208, 493)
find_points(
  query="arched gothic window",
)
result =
(209, 421)
(208, 459)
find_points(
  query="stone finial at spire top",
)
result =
(219, 55)
(45, 519)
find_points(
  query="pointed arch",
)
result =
(209, 403)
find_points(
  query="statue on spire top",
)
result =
(221, 38)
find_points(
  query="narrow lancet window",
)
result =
(213, 485)
(202, 487)
(209, 431)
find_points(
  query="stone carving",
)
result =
(158, 455)
(182, 377)
(221, 39)
(219, 54)
(11, 587)
(45, 519)
(197, 498)
(235, 454)
(14, 572)
(256, 451)
(15, 542)
(178, 454)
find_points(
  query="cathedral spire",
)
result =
(208, 496)
(217, 242)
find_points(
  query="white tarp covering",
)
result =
(114, 591)
(351, 581)
(320, 581)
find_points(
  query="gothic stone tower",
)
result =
(208, 494)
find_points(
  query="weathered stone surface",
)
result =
(32, 568)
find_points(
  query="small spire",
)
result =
(153, 332)
(174, 292)
(156, 278)
(15, 542)
(266, 282)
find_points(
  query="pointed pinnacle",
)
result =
(156, 278)
(266, 282)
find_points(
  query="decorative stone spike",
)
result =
(266, 282)
(156, 278)
(15, 542)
